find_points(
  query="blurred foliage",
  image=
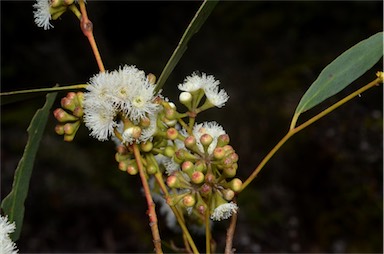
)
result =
(321, 193)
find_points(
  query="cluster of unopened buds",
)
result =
(194, 160)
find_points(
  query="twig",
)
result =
(151, 205)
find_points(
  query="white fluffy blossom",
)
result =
(6, 244)
(224, 211)
(42, 14)
(211, 128)
(210, 86)
(121, 93)
(215, 96)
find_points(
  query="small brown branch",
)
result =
(151, 205)
(230, 233)
(87, 28)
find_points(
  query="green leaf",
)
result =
(16, 96)
(342, 71)
(200, 17)
(13, 204)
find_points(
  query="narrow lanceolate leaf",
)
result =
(342, 71)
(13, 204)
(200, 17)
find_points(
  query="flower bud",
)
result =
(146, 146)
(170, 123)
(132, 169)
(68, 103)
(234, 157)
(151, 169)
(71, 128)
(170, 113)
(151, 78)
(121, 149)
(206, 140)
(59, 129)
(169, 151)
(197, 177)
(223, 140)
(177, 180)
(205, 190)
(218, 153)
(145, 122)
(210, 178)
(172, 133)
(236, 184)
(189, 200)
(229, 172)
(228, 194)
(185, 98)
(187, 166)
(78, 111)
(62, 116)
(123, 165)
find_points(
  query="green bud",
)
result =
(189, 200)
(229, 172)
(236, 184)
(197, 177)
(59, 129)
(151, 169)
(62, 116)
(169, 151)
(223, 140)
(132, 169)
(71, 128)
(78, 111)
(187, 166)
(228, 194)
(218, 153)
(206, 140)
(205, 190)
(146, 146)
(172, 133)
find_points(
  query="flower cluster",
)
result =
(194, 159)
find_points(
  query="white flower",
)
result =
(141, 98)
(192, 83)
(42, 14)
(99, 118)
(211, 128)
(224, 211)
(6, 244)
(216, 97)
(122, 93)
(210, 86)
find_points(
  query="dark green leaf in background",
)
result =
(13, 204)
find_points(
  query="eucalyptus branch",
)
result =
(151, 205)
(87, 28)
(295, 130)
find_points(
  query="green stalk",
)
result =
(295, 130)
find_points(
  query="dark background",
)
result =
(322, 192)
